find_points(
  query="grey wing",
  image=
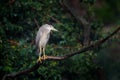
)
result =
(48, 36)
(39, 34)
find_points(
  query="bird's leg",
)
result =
(44, 56)
(40, 58)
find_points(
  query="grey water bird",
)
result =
(42, 38)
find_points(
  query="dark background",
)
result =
(80, 22)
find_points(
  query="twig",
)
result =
(36, 23)
(59, 58)
(55, 19)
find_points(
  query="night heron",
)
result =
(42, 38)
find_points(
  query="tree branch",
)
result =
(75, 8)
(58, 58)
(36, 22)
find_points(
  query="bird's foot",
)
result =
(39, 59)
(45, 57)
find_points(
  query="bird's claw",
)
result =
(45, 57)
(42, 58)
(39, 59)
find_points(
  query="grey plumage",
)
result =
(42, 37)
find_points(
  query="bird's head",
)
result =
(51, 28)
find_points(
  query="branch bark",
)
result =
(36, 22)
(75, 8)
(59, 58)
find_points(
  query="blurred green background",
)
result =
(18, 30)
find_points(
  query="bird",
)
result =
(42, 38)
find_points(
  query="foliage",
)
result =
(18, 31)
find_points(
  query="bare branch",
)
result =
(75, 8)
(59, 58)
(36, 23)
(56, 20)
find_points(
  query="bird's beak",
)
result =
(54, 29)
